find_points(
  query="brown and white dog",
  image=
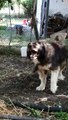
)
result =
(48, 57)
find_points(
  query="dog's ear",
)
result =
(28, 53)
(42, 54)
(57, 38)
(29, 45)
(42, 50)
(28, 50)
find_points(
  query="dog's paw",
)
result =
(54, 89)
(40, 88)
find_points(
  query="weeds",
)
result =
(61, 116)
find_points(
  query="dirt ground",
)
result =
(18, 82)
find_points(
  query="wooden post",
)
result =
(9, 5)
(34, 24)
(46, 19)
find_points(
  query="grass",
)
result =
(9, 51)
(8, 35)
(61, 116)
(2, 27)
(21, 40)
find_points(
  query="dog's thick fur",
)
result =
(48, 57)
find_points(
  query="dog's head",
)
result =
(36, 52)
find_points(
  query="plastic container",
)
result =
(23, 51)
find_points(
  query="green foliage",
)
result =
(18, 1)
(28, 6)
(61, 116)
(2, 2)
(36, 113)
(33, 112)
(9, 1)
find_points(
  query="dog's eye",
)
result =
(34, 52)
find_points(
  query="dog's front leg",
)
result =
(42, 77)
(54, 79)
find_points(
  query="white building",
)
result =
(58, 6)
(55, 6)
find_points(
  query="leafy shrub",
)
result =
(28, 7)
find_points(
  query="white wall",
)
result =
(58, 6)
(13, 12)
(54, 7)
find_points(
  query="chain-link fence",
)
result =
(15, 34)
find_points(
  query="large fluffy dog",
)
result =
(48, 57)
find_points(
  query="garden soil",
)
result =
(18, 83)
